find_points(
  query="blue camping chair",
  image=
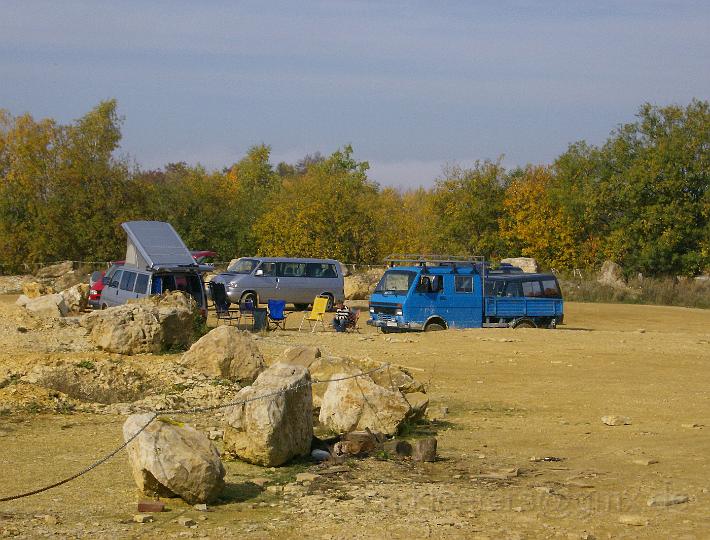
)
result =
(277, 317)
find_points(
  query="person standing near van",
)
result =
(342, 317)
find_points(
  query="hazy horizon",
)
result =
(410, 85)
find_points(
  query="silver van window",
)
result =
(243, 266)
(268, 269)
(115, 278)
(320, 270)
(141, 284)
(127, 281)
(292, 269)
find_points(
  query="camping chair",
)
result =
(352, 321)
(320, 305)
(277, 317)
(221, 304)
(246, 311)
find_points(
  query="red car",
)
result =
(99, 278)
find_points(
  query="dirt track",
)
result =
(511, 395)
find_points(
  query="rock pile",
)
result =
(526, 264)
(148, 325)
(361, 285)
(171, 459)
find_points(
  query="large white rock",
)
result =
(228, 353)
(526, 264)
(277, 428)
(173, 459)
(50, 306)
(359, 286)
(325, 368)
(612, 274)
(148, 325)
(360, 404)
(55, 270)
(76, 298)
(300, 355)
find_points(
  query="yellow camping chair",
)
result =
(320, 305)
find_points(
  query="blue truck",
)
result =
(436, 293)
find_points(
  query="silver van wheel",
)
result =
(331, 301)
(249, 297)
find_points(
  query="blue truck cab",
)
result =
(436, 293)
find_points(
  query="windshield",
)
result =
(395, 282)
(243, 266)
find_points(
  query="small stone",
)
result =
(641, 330)
(261, 482)
(51, 520)
(633, 519)
(691, 426)
(306, 477)
(543, 489)
(645, 461)
(667, 500)
(186, 521)
(143, 518)
(616, 420)
(200, 507)
(424, 449)
(275, 489)
(215, 434)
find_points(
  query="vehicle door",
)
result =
(294, 284)
(141, 287)
(425, 300)
(465, 302)
(109, 295)
(125, 288)
(266, 281)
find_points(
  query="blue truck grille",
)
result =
(385, 310)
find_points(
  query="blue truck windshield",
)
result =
(395, 282)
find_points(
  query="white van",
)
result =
(295, 280)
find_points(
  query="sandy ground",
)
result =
(511, 395)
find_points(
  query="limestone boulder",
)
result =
(171, 459)
(300, 355)
(76, 298)
(359, 286)
(325, 368)
(396, 378)
(47, 306)
(526, 264)
(148, 325)
(361, 404)
(277, 428)
(612, 274)
(35, 289)
(55, 270)
(69, 280)
(228, 353)
(22, 300)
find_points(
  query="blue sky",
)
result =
(411, 85)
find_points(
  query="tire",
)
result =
(103, 306)
(434, 327)
(300, 307)
(250, 296)
(331, 301)
(525, 323)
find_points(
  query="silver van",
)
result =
(297, 281)
(156, 261)
(127, 283)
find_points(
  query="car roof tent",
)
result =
(155, 245)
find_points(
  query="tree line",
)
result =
(641, 199)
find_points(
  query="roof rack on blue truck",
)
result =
(435, 292)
